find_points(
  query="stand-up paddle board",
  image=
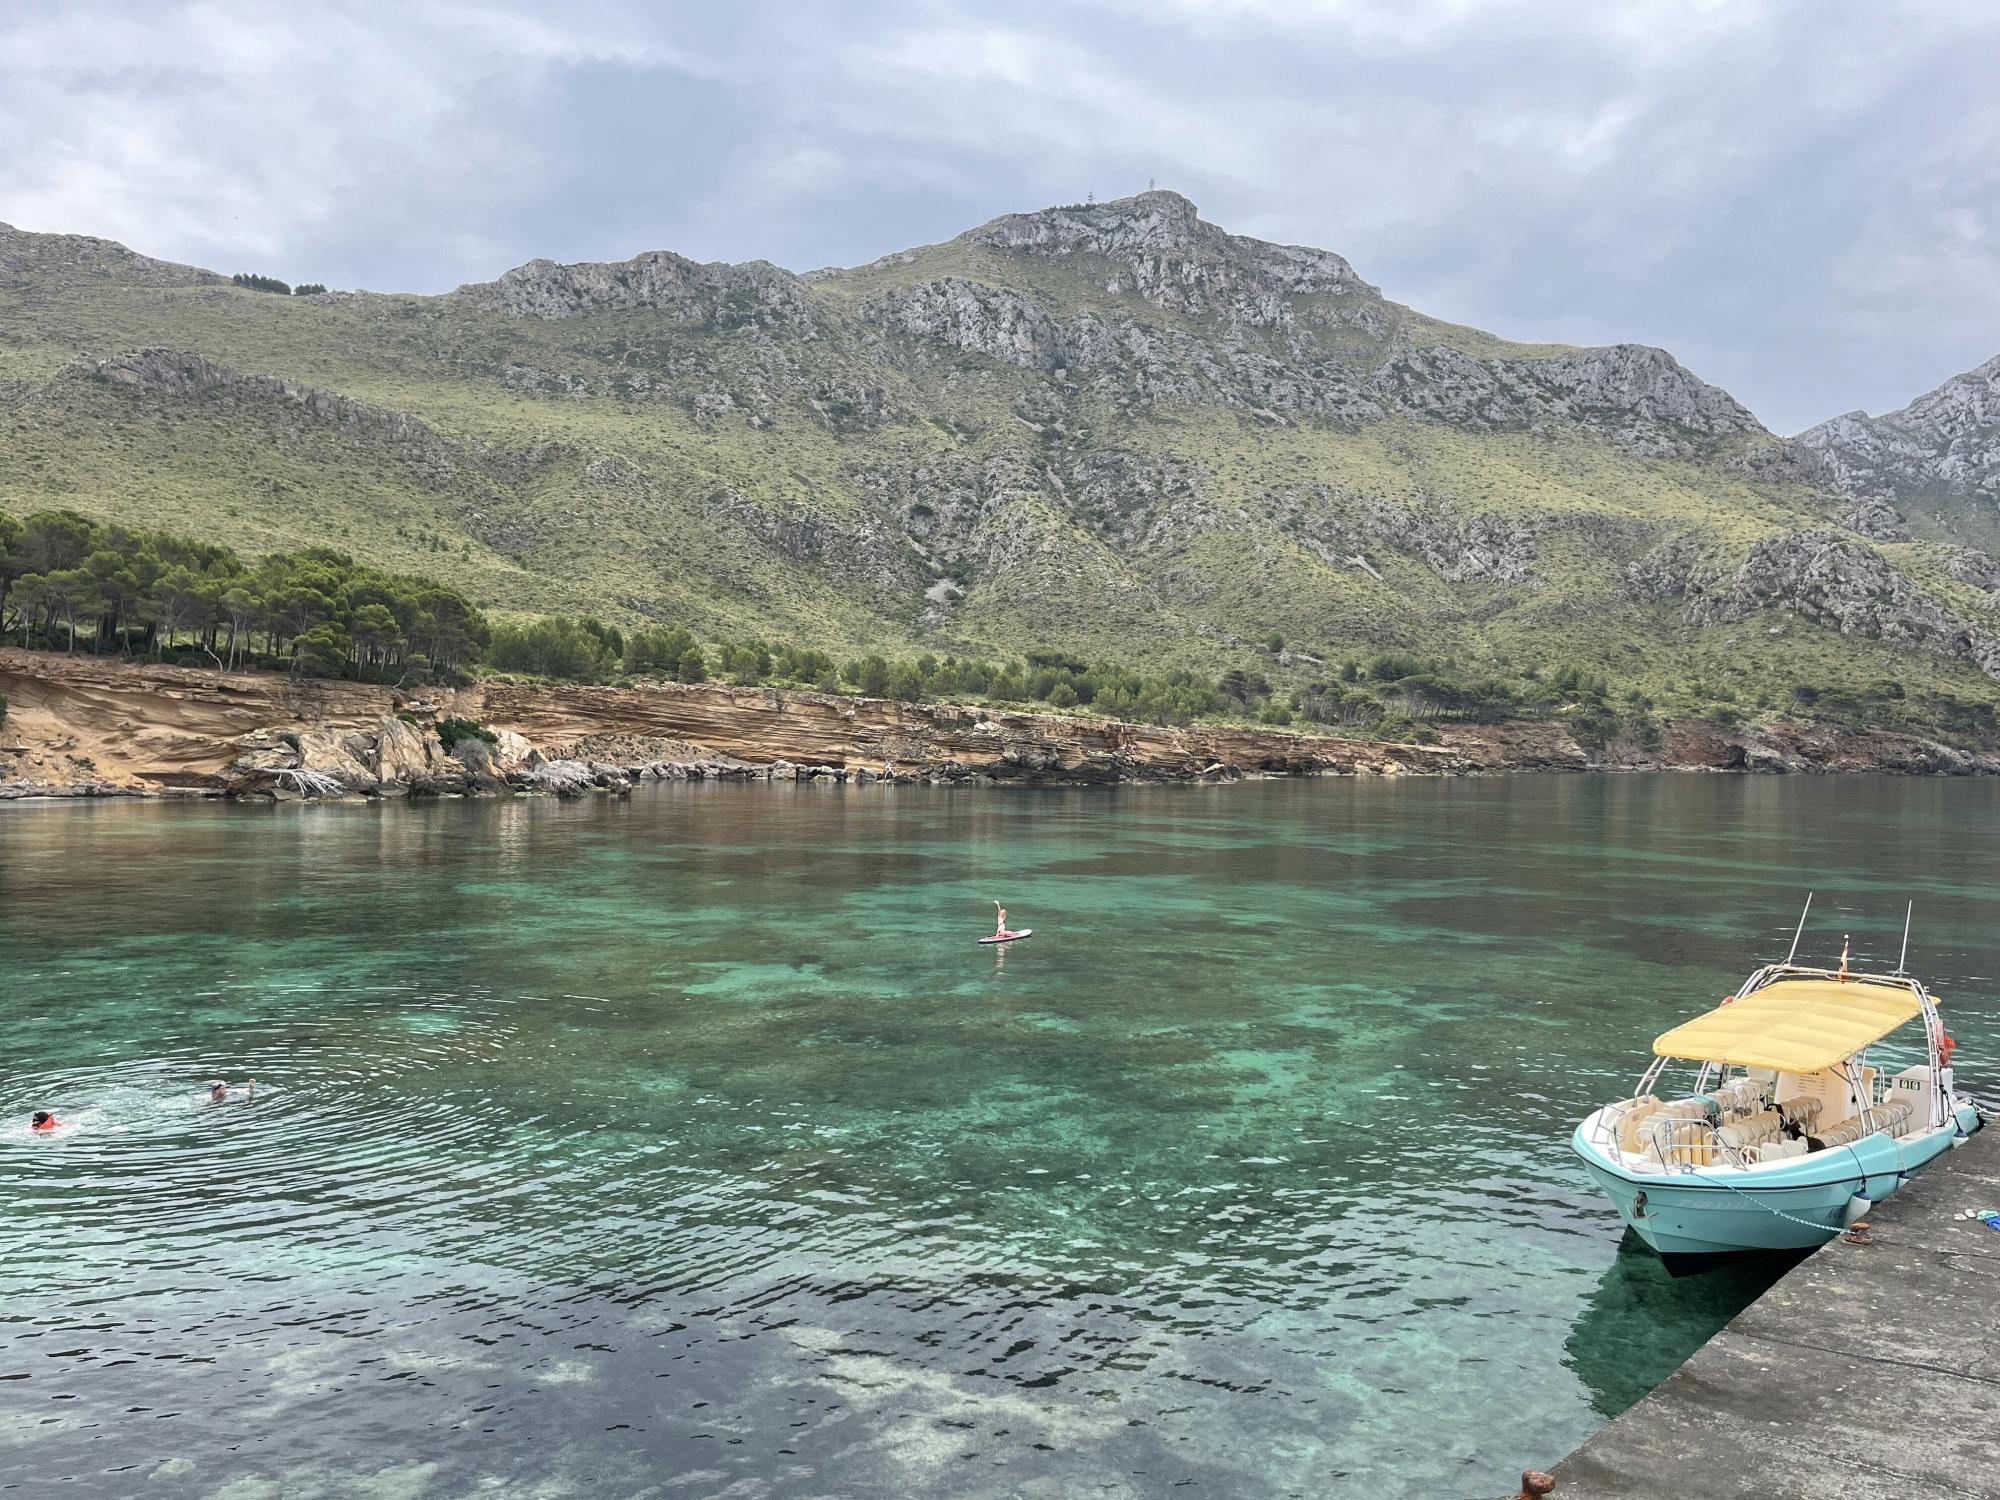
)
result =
(1010, 937)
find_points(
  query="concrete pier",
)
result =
(1870, 1370)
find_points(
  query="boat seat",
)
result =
(1778, 1150)
(1692, 1143)
(1803, 1111)
(1660, 1129)
(1627, 1115)
(1742, 1096)
(1752, 1130)
(1832, 1088)
(1894, 1119)
(1685, 1109)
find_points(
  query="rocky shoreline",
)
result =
(89, 727)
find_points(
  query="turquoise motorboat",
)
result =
(1786, 1133)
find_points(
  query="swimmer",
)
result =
(218, 1092)
(44, 1121)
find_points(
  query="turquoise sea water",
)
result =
(688, 1146)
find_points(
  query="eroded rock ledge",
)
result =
(85, 727)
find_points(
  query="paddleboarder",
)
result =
(1002, 933)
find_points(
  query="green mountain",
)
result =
(1111, 429)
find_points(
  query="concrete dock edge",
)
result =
(1869, 1370)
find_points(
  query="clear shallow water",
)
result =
(688, 1146)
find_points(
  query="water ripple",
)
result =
(602, 1150)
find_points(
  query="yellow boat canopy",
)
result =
(1793, 1025)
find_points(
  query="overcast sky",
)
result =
(1801, 201)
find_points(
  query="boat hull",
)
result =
(1793, 1205)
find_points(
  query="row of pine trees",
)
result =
(66, 579)
(69, 583)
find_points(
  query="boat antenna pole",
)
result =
(1904, 957)
(1801, 932)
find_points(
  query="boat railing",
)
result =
(1671, 1148)
(1681, 1141)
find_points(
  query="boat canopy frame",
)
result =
(1938, 1108)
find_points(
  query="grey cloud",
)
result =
(1799, 200)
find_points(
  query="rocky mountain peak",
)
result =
(755, 293)
(1943, 445)
(1963, 405)
(1157, 221)
(1175, 259)
(71, 258)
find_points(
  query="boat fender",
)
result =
(1857, 1208)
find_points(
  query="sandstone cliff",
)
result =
(79, 726)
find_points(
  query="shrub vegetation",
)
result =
(451, 731)
(71, 584)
